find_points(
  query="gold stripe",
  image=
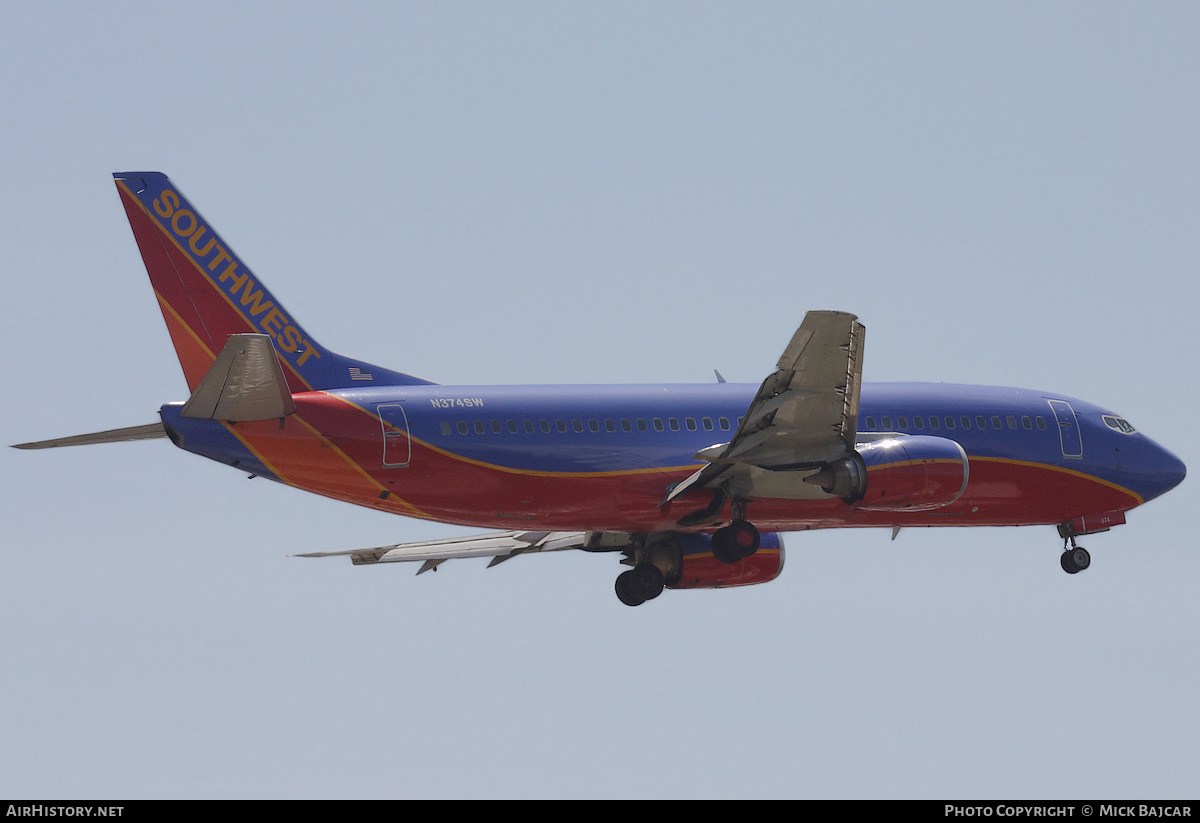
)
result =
(1073, 472)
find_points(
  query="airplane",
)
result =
(690, 484)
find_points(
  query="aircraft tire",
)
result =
(1068, 565)
(723, 547)
(648, 580)
(1075, 560)
(627, 590)
(745, 538)
(1080, 557)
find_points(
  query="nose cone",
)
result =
(1170, 472)
(1166, 472)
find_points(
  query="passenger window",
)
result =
(673, 422)
(980, 422)
(462, 426)
(529, 427)
(1012, 422)
(903, 421)
(561, 425)
(949, 422)
(577, 424)
(707, 423)
(1041, 421)
(626, 426)
(610, 424)
(997, 423)
(642, 424)
(512, 426)
(545, 426)
(658, 424)
(933, 422)
(479, 427)
(594, 425)
(690, 422)
(965, 421)
(497, 427)
(723, 422)
(887, 422)
(919, 422)
(1026, 422)
(446, 428)
(870, 423)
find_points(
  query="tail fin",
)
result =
(207, 294)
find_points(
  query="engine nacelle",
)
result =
(898, 474)
(698, 569)
(913, 473)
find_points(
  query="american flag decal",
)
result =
(358, 374)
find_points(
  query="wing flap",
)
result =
(807, 411)
(432, 553)
(804, 415)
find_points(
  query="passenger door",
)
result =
(1068, 429)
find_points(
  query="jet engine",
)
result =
(698, 569)
(898, 474)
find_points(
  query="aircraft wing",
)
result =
(804, 415)
(500, 546)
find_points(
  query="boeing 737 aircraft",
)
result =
(689, 484)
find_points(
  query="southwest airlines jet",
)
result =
(688, 484)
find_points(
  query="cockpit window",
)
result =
(1118, 423)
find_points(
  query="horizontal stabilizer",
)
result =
(147, 432)
(244, 383)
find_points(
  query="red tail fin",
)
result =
(207, 294)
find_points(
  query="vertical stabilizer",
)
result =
(207, 294)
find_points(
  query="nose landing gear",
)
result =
(1075, 559)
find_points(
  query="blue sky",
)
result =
(1005, 193)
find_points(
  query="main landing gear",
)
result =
(656, 560)
(738, 540)
(643, 582)
(735, 542)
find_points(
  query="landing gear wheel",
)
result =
(1075, 559)
(735, 542)
(723, 548)
(641, 583)
(625, 590)
(1081, 557)
(648, 579)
